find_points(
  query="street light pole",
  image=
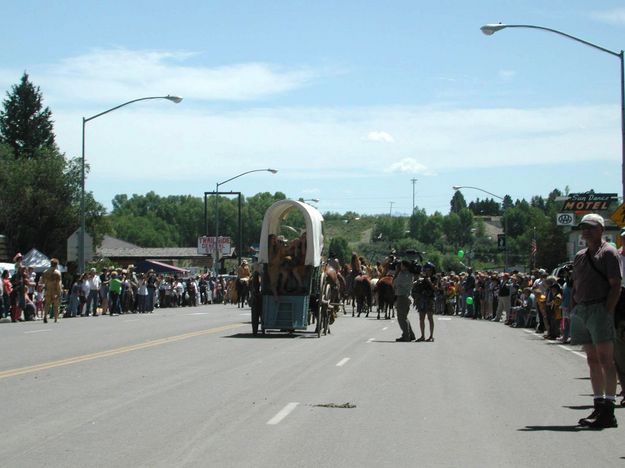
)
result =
(505, 220)
(490, 29)
(217, 185)
(81, 234)
(413, 182)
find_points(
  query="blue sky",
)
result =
(349, 100)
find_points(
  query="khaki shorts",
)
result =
(591, 324)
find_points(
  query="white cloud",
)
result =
(108, 75)
(171, 142)
(380, 136)
(194, 142)
(409, 165)
(613, 16)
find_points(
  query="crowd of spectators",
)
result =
(535, 300)
(519, 300)
(111, 291)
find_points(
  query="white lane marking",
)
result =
(132, 320)
(342, 362)
(566, 348)
(385, 328)
(582, 355)
(245, 315)
(201, 313)
(370, 340)
(283, 413)
(38, 331)
(444, 318)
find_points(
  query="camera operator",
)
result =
(402, 284)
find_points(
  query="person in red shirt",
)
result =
(7, 288)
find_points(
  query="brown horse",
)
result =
(243, 291)
(386, 297)
(362, 294)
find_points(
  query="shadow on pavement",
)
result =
(260, 335)
(275, 335)
(580, 407)
(553, 428)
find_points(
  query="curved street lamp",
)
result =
(216, 261)
(505, 219)
(490, 29)
(81, 235)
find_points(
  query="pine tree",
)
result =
(457, 202)
(25, 125)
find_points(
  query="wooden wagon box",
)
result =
(286, 313)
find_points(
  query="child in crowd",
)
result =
(39, 301)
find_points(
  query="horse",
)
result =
(231, 292)
(386, 297)
(243, 291)
(362, 294)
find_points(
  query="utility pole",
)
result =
(391, 211)
(413, 182)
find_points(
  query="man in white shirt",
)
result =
(93, 281)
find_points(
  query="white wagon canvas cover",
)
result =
(314, 235)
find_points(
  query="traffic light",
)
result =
(501, 241)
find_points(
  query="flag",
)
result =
(534, 247)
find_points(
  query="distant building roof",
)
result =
(113, 243)
(150, 252)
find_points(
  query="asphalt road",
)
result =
(192, 387)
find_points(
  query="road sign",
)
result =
(206, 245)
(565, 219)
(619, 216)
(589, 201)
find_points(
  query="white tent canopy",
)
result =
(314, 235)
(38, 261)
(7, 266)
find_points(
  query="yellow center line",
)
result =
(113, 352)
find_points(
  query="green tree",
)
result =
(340, 248)
(153, 221)
(457, 202)
(486, 207)
(507, 202)
(25, 125)
(417, 222)
(39, 202)
(390, 228)
(433, 229)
